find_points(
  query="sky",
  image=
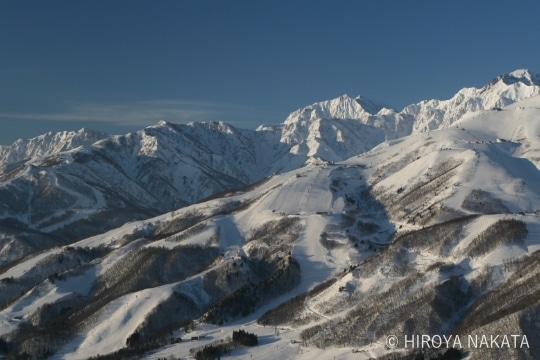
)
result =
(118, 66)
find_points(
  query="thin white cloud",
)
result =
(138, 113)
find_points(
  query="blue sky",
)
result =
(120, 65)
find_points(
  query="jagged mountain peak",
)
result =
(524, 76)
(162, 123)
(219, 126)
(368, 105)
(48, 143)
(342, 107)
(502, 91)
(521, 78)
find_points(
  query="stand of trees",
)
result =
(244, 338)
(218, 348)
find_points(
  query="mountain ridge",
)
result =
(166, 166)
(342, 107)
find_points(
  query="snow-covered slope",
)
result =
(47, 144)
(312, 128)
(120, 178)
(350, 226)
(343, 107)
(502, 91)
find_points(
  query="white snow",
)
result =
(115, 323)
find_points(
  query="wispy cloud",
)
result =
(138, 113)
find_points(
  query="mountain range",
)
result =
(346, 223)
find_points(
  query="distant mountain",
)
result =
(87, 189)
(502, 91)
(48, 144)
(314, 121)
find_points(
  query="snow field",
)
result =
(115, 323)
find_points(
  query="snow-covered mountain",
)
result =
(315, 125)
(352, 224)
(48, 144)
(502, 91)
